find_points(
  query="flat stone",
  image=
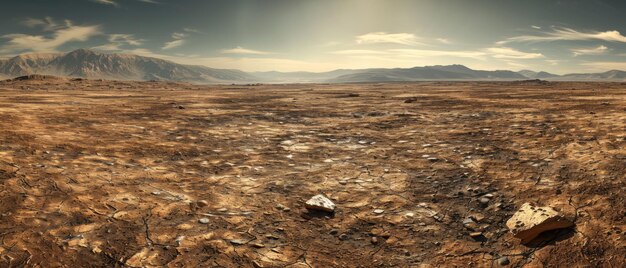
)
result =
(203, 220)
(379, 211)
(320, 203)
(530, 221)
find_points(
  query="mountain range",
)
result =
(84, 63)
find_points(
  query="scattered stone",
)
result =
(504, 261)
(374, 240)
(379, 211)
(320, 203)
(484, 201)
(202, 203)
(476, 234)
(222, 210)
(433, 159)
(334, 231)
(343, 237)
(530, 221)
(258, 245)
(203, 220)
(238, 242)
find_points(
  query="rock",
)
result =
(258, 245)
(238, 242)
(321, 203)
(203, 220)
(379, 211)
(504, 261)
(476, 234)
(374, 240)
(202, 203)
(484, 201)
(530, 221)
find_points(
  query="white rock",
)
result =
(321, 203)
(530, 221)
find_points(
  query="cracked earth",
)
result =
(124, 174)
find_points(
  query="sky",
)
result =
(323, 35)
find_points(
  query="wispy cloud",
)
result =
(511, 53)
(390, 38)
(590, 51)
(106, 2)
(117, 41)
(46, 24)
(359, 52)
(439, 53)
(179, 40)
(567, 34)
(535, 27)
(241, 50)
(60, 34)
(149, 1)
(413, 53)
(443, 41)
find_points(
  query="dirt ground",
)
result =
(110, 174)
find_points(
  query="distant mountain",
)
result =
(84, 63)
(449, 72)
(301, 77)
(90, 64)
(614, 75)
(536, 75)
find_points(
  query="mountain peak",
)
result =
(83, 52)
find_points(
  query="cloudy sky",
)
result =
(320, 35)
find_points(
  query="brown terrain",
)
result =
(153, 174)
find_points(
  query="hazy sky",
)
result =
(320, 35)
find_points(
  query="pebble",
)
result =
(203, 220)
(202, 203)
(374, 240)
(504, 261)
(379, 211)
(222, 210)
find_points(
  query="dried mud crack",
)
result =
(128, 174)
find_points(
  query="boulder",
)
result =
(530, 221)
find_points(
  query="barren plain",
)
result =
(153, 174)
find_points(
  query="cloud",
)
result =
(106, 2)
(47, 24)
(192, 30)
(241, 50)
(149, 1)
(412, 53)
(383, 37)
(439, 53)
(567, 34)
(41, 43)
(119, 40)
(535, 27)
(590, 51)
(360, 52)
(179, 40)
(511, 53)
(443, 41)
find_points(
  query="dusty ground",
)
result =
(96, 173)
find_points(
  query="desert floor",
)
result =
(101, 173)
